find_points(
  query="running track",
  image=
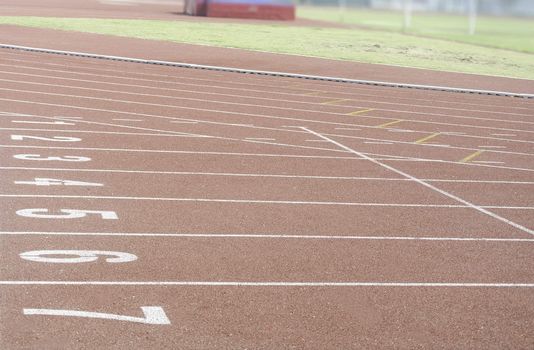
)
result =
(249, 212)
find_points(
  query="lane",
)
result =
(229, 259)
(239, 188)
(216, 216)
(248, 317)
(248, 186)
(197, 161)
(276, 163)
(167, 142)
(484, 194)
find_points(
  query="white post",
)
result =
(473, 9)
(342, 8)
(407, 15)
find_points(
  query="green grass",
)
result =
(336, 43)
(502, 32)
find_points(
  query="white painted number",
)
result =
(152, 315)
(42, 181)
(53, 138)
(63, 159)
(41, 213)
(81, 256)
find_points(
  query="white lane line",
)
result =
(426, 184)
(491, 146)
(403, 130)
(348, 129)
(75, 118)
(315, 140)
(10, 114)
(453, 133)
(268, 236)
(100, 132)
(355, 90)
(271, 284)
(239, 154)
(126, 120)
(437, 145)
(487, 162)
(38, 122)
(182, 122)
(253, 201)
(374, 142)
(503, 134)
(312, 177)
(259, 139)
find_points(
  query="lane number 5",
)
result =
(41, 213)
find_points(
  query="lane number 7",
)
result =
(152, 315)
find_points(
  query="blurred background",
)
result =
(487, 7)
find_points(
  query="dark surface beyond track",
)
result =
(247, 231)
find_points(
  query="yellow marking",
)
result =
(360, 112)
(426, 138)
(334, 101)
(390, 123)
(471, 156)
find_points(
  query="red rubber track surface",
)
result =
(227, 205)
(255, 212)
